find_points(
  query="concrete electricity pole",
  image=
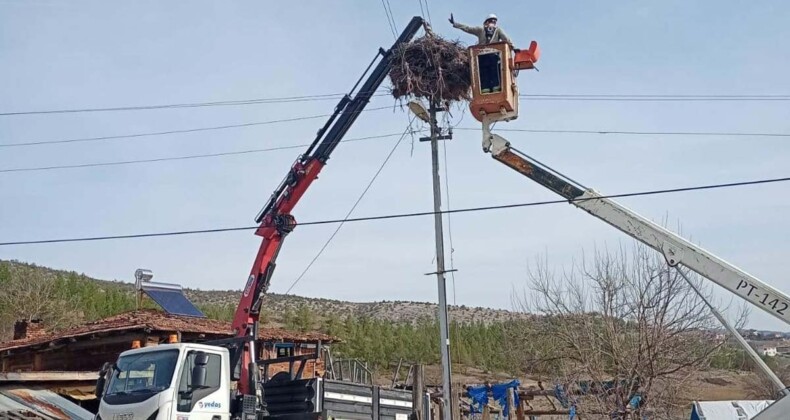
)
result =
(444, 336)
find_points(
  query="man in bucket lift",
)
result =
(489, 65)
(486, 34)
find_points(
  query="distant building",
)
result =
(68, 361)
(768, 351)
(767, 348)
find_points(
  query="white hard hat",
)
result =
(491, 16)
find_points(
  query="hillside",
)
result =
(380, 333)
(395, 311)
(279, 304)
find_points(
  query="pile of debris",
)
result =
(431, 67)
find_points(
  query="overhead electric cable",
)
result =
(184, 157)
(389, 19)
(635, 133)
(607, 98)
(208, 155)
(648, 95)
(331, 96)
(240, 102)
(187, 130)
(525, 130)
(353, 207)
(422, 10)
(428, 10)
(449, 218)
(407, 215)
(392, 16)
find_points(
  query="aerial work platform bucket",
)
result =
(494, 88)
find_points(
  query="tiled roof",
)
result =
(154, 320)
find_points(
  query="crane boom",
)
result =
(275, 219)
(676, 250)
(489, 108)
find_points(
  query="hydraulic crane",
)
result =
(195, 380)
(275, 219)
(491, 107)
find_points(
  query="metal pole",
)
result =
(734, 332)
(444, 343)
(417, 393)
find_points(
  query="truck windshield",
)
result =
(144, 372)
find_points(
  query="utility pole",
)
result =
(444, 337)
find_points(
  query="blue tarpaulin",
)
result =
(479, 395)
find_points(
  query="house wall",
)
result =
(79, 356)
(86, 354)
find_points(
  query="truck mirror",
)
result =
(201, 359)
(101, 381)
(199, 371)
(100, 387)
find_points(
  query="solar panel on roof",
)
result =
(171, 299)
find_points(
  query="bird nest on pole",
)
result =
(431, 67)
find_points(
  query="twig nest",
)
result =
(431, 67)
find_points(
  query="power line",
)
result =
(422, 10)
(449, 217)
(331, 96)
(188, 130)
(407, 215)
(242, 152)
(185, 157)
(389, 19)
(392, 16)
(427, 9)
(350, 211)
(240, 102)
(225, 127)
(648, 95)
(636, 133)
(656, 98)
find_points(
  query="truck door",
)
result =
(209, 400)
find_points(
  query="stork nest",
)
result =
(431, 67)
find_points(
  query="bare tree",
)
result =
(26, 294)
(621, 326)
(761, 387)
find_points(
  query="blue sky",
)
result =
(56, 55)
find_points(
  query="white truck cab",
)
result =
(172, 381)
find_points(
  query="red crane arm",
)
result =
(275, 219)
(273, 228)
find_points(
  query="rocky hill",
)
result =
(396, 311)
(278, 304)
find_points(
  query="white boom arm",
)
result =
(678, 250)
(675, 249)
